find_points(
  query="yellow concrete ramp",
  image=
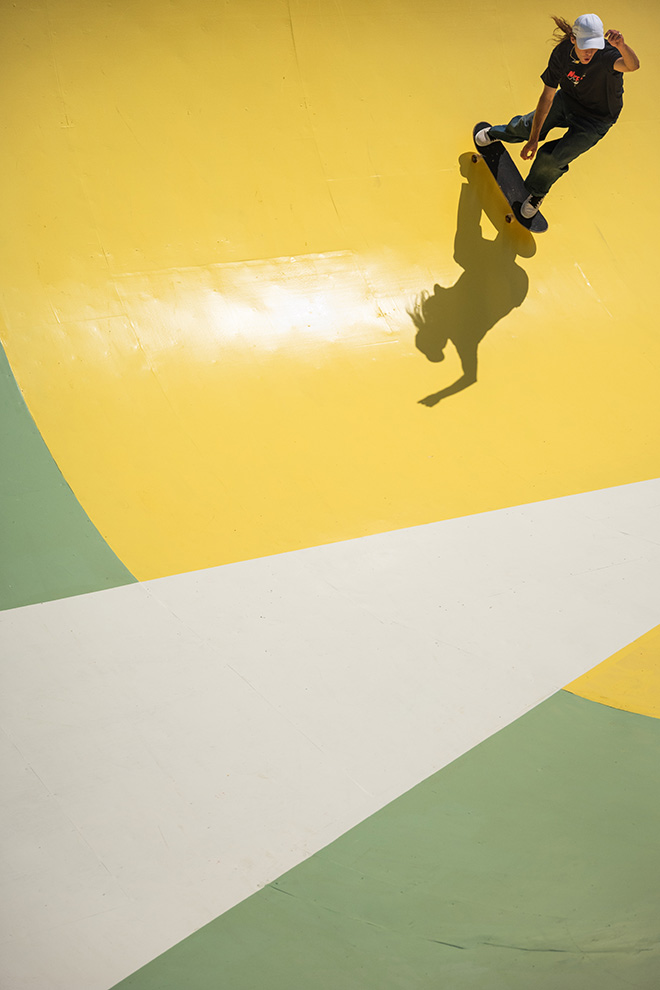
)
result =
(245, 255)
(218, 219)
(629, 680)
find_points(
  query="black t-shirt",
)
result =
(595, 89)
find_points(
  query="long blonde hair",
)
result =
(563, 31)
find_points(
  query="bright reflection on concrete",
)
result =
(267, 305)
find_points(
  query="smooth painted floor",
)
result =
(483, 874)
(220, 216)
(171, 747)
(254, 590)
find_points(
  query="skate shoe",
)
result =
(482, 139)
(531, 206)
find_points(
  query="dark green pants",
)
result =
(553, 157)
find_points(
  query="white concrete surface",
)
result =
(169, 748)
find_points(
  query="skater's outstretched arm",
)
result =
(542, 111)
(628, 61)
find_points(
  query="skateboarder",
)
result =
(587, 65)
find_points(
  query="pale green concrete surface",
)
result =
(532, 861)
(48, 546)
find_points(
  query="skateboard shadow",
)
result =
(492, 284)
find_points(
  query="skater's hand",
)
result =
(529, 150)
(615, 38)
(628, 61)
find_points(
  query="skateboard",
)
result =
(509, 179)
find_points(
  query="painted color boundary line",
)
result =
(508, 869)
(629, 680)
(49, 548)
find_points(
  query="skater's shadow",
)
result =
(492, 284)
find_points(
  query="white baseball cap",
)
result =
(588, 31)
